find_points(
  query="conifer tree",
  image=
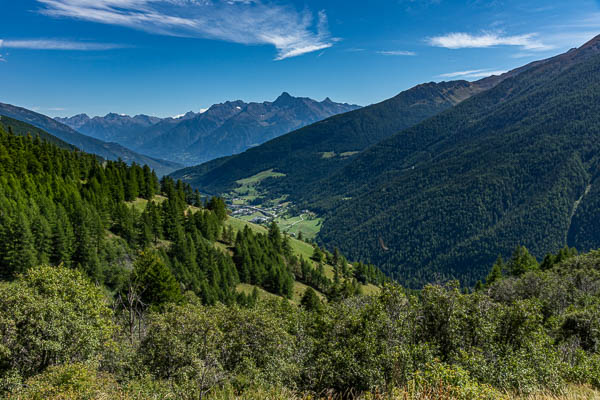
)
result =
(310, 300)
(20, 253)
(156, 282)
(275, 236)
(496, 271)
(521, 262)
(63, 239)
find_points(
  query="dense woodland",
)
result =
(118, 285)
(66, 207)
(517, 164)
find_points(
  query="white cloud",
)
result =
(396, 53)
(240, 21)
(203, 110)
(459, 40)
(472, 74)
(461, 73)
(46, 44)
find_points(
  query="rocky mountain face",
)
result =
(224, 129)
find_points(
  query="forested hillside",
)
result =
(515, 164)
(60, 206)
(312, 153)
(23, 129)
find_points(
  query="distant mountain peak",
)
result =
(284, 99)
(111, 116)
(74, 122)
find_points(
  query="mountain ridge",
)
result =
(110, 151)
(346, 133)
(234, 126)
(221, 130)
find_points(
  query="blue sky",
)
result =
(166, 57)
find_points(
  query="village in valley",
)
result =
(245, 202)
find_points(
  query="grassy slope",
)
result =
(309, 227)
(300, 248)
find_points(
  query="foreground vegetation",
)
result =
(530, 330)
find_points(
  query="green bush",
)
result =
(50, 316)
(441, 381)
(70, 381)
(184, 344)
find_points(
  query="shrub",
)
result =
(50, 316)
(439, 381)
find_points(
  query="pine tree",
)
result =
(20, 254)
(310, 300)
(286, 246)
(42, 233)
(275, 236)
(63, 238)
(217, 205)
(156, 282)
(496, 271)
(521, 262)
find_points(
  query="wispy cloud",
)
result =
(46, 44)
(396, 53)
(460, 40)
(240, 21)
(472, 74)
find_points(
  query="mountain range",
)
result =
(309, 154)
(121, 129)
(109, 151)
(436, 194)
(222, 130)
